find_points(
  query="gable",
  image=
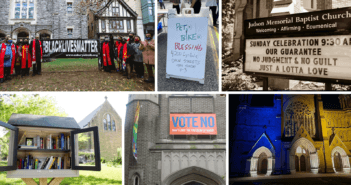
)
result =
(117, 8)
(262, 141)
(302, 132)
(336, 141)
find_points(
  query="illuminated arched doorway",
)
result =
(261, 162)
(309, 161)
(337, 162)
(340, 160)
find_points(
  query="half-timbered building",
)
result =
(116, 18)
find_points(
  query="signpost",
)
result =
(193, 124)
(311, 46)
(186, 45)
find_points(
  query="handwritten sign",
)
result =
(193, 124)
(186, 47)
(320, 56)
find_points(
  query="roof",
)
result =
(88, 118)
(43, 121)
(124, 4)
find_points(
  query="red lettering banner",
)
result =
(193, 124)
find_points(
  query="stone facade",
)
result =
(110, 140)
(297, 134)
(166, 159)
(50, 17)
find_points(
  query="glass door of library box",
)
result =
(11, 162)
(86, 149)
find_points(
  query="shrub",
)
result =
(103, 160)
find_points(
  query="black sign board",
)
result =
(312, 46)
(311, 23)
(71, 48)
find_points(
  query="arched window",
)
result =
(105, 124)
(109, 121)
(113, 125)
(136, 180)
(298, 150)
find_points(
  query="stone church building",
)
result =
(110, 128)
(54, 19)
(169, 159)
(295, 133)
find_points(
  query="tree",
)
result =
(26, 104)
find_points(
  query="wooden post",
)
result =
(265, 84)
(43, 181)
(328, 87)
(29, 181)
(56, 181)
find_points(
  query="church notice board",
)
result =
(193, 124)
(186, 48)
(312, 46)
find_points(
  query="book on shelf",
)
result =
(48, 141)
(62, 141)
(45, 163)
(41, 143)
(27, 147)
(68, 144)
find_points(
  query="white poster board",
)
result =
(186, 48)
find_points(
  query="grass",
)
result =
(75, 75)
(107, 175)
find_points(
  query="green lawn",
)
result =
(73, 74)
(107, 175)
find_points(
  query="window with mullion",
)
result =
(24, 11)
(70, 33)
(69, 8)
(115, 11)
(119, 25)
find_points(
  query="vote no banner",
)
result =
(70, 48)
(319, 57)
(193, 124)
(186, 47)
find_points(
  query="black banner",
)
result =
(70, 48)
(319, 22)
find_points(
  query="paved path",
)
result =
(296, 179)
(212, 62)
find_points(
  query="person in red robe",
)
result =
(18, 60)
(128, 52)
(7, 59)
(26, 58)
(108, 54)
(36, 51)
(119, 45)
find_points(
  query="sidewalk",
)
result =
(289, 176)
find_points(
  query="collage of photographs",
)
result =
(175, 92)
